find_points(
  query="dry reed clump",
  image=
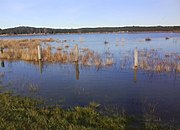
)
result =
(158, 61)
(57, 56)
(26, 49)
(23, 43)
(48, 40)
(66, 46)
(109, 61)
(98, 61)
(59, 48)
(178, 67)
(19, 43)
(90, 58)
(21, 49)
(86, 59)
(29, 54)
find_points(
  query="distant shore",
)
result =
(29, 31)
(42, 34)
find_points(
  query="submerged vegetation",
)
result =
(19, 112)
(152, 60)
(25, 113)
(26, 49)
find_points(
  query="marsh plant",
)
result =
(26, 49)
(153, 60)
(33, 87)
(158, 61)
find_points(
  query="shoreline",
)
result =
(20, 111)
(122, 32)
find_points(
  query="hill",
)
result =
(33, 30)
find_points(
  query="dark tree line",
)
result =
(33, 30)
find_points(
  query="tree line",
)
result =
(33, 30)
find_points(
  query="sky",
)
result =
(89, 13)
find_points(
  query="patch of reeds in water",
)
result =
(153, 60)
(26, 49)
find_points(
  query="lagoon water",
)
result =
(119, 88)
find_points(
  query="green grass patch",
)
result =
(22, 113)
(25, 113)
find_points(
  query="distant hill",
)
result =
(33, 30)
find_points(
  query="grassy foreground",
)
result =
(21, 113)
(24, 113)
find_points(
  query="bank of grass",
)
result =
(22, 113)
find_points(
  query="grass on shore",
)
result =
(22, 113)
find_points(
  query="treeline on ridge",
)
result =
(33, 30)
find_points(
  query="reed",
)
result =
(109, 61)
(159, 61)
(33, 87)
(26, 49)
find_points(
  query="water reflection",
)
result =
(77, 70)
(135, 75)
(40, 66)
(106, 85)
(1, 50)
(2, 64)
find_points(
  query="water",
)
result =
(113, 86)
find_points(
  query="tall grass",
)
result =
(26, 49)
(154, 60)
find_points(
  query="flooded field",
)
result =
(104, 74)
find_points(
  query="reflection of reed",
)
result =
(135, 75)
(1, 50)
(2, 64)
(40, 66)
(77, 70)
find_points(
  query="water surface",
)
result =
(113, 86)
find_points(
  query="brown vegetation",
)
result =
(26, 49)
(152, 60)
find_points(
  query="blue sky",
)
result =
(88, 13)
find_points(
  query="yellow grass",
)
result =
(151, 61)
(26, 49)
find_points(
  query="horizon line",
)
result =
(91, 26)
